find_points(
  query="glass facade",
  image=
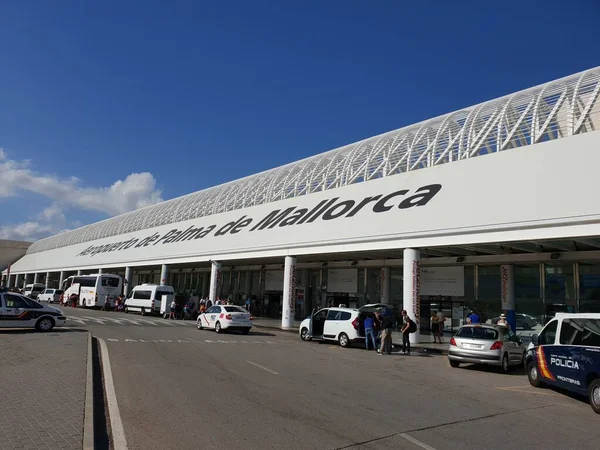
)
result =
(541, 290)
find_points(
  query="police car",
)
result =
(566, 354)
(18, 311)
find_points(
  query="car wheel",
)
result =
(218, 327)
(143, 311)
(344, 340)
(304, 334)
(199, 325)
(453, 363)
(126, 309)
(246, 331)
(44, 324)
(505, 366)
(533, 375)
(594, 395)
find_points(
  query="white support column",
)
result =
(215, 281)
(507, 294)
(289, 293)
(412, 289)
(164, 274)
(79, 272)
(35, 277)
(385, 285)
(100, 270)
(61, 278)
(47, 279)
(127, 281)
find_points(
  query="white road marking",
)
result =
(119, 321)
(149, 322)
(73, 319)
(262, 367)
(94, 319)
(118, 433)
(416, 442)
(123, 319)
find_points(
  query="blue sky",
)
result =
(106, 106)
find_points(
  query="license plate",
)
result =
(473, 346)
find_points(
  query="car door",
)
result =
(512, 343)
(2, 311)
(318, 323)
(212, 315)
(332, 324)
(544, 351)
(16, 312)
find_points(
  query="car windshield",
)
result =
(478, 333)
(235, 309)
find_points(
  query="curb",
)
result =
(116, 424)
(88, 421)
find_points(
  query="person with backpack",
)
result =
(409, 326)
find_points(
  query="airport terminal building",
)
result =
(491, 207)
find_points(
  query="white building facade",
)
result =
(491, 207)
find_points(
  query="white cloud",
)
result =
(136, 191)
(67, 193)
(27, 231)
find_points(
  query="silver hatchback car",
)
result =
(486, 344)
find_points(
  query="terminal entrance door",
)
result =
(453, 311)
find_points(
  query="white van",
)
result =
(33, 290)
(147, 298)
(91, 290)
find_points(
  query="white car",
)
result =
(344, 325)
(33, 290)
(18, 311)
(50, 296)
(225, 317)
(334, 324)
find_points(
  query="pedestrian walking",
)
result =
(172, 310)
(441, 321)
(408, 325)
(369, 324)
(386, 334)
(434, 326)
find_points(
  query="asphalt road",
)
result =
(179, 387)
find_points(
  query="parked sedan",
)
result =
(486, 344)
(225, 317)
(50, 296)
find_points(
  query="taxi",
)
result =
(225, 317)
(18, 311)
(566, 354)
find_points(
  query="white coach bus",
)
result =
(92, 289)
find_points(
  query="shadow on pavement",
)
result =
(520, 371)
(34, 331)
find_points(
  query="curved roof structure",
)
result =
(554, 110)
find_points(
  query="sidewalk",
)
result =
(426, 339)
(42, 389)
